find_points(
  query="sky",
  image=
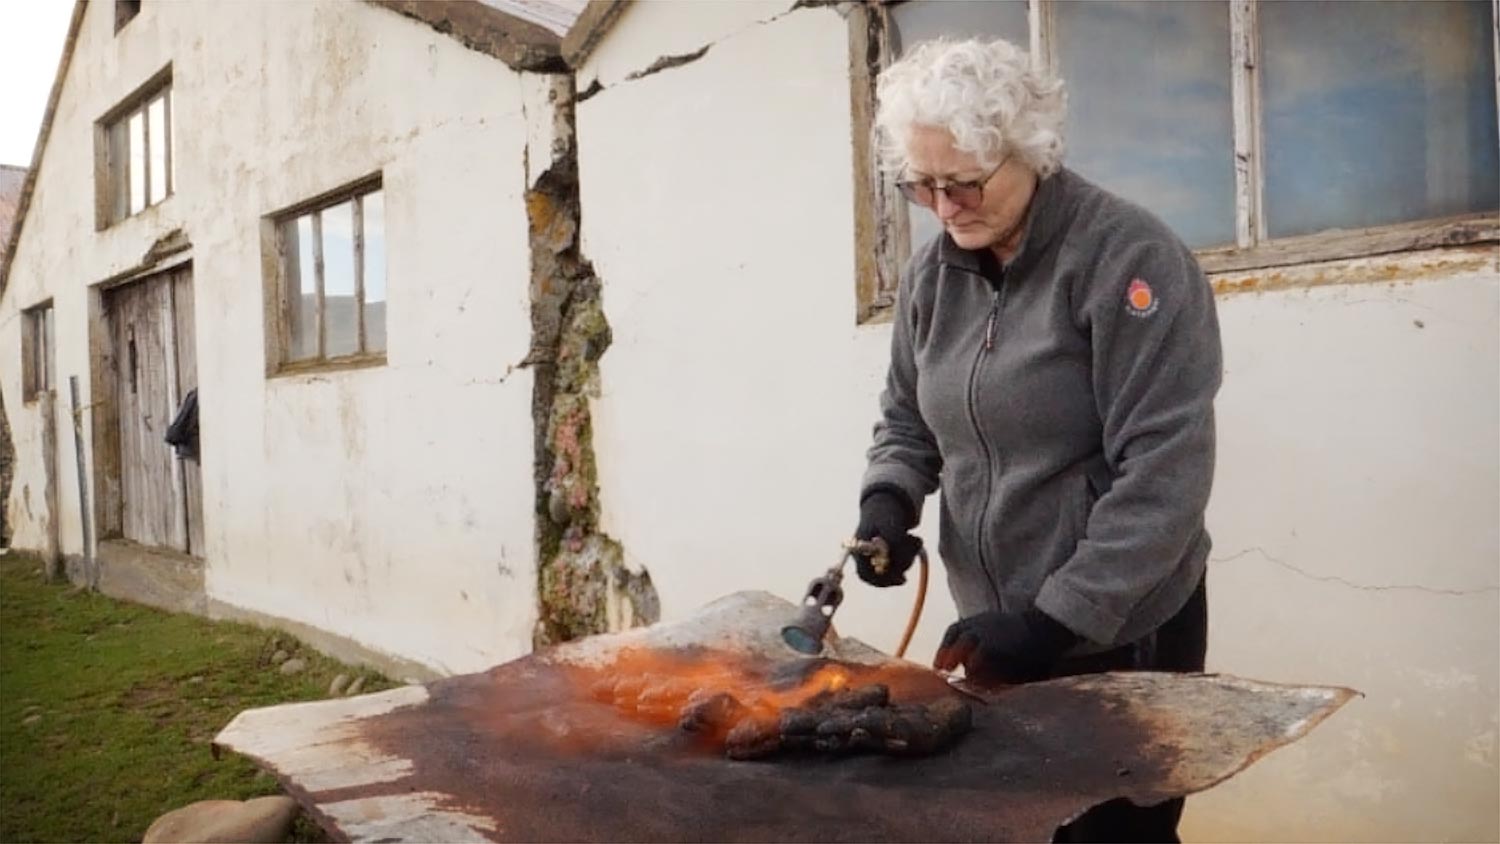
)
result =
(31, 39)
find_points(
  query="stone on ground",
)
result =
(336, 688)
(292, 666)
(355, 687)
(264, 819)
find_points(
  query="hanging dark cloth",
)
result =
(182, 434)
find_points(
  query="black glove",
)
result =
(1001, 647)
(886, 513)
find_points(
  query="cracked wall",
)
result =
(584, 584)
(1355, 541)
(718, 203)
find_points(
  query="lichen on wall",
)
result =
(584, 585)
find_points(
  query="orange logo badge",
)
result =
(1140, 300)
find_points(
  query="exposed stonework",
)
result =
(583, 584)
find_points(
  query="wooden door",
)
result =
(151, 325)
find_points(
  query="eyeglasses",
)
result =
(966, 195)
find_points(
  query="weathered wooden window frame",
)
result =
(112, 151)
(882, 223)
(38, 342)
(277, 281)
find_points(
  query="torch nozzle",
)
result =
(806, 633)
(808, 630)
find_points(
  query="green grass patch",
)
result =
(107, 708)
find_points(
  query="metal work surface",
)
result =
(524, 752)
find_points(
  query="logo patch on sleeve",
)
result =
(1140, 299)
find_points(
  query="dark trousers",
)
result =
(1179, 645)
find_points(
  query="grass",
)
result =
(107, 709)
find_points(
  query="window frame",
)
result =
(38, 344)
(112, 196)
(275, 256)
(882, 242)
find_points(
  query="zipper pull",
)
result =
(989, 327)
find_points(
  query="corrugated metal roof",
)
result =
(554, 15)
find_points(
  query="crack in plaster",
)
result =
(1363, 587)
(678, 60)
(463, 123)
(667, 62)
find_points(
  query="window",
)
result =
(125, 12)
(37, 373)
(1376, 113)
(1264, 133)
(137, 162)
(331, 278)
(1150, 117)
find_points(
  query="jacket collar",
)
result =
(1044, 219)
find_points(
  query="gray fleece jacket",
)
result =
(1065, 409)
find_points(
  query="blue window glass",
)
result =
(1376, 113)
(1150, 111)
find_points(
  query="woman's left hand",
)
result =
(1002, 647)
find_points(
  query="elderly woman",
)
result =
(1053, 367)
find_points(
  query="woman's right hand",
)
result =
(887, 515)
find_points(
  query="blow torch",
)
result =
(807, 632)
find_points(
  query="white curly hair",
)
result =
(983, 92)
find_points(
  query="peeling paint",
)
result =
(167, 245)
(1426, 265)
(593, 88)
(583, 584)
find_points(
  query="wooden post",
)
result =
(52, 554)
(1249, 217)
(90, 565)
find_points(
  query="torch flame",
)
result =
(830, 678)
(659, 687)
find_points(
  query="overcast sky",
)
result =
(31, 39)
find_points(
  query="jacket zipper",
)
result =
(989, 326)
(996, 301)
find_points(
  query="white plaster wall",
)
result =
(391, 505)
(737, 399)
(738, 394)
(646, 32)
(1356, 543)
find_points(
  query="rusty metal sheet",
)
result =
(522, 753)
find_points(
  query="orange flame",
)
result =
(657, 687)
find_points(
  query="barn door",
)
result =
(151, 326)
